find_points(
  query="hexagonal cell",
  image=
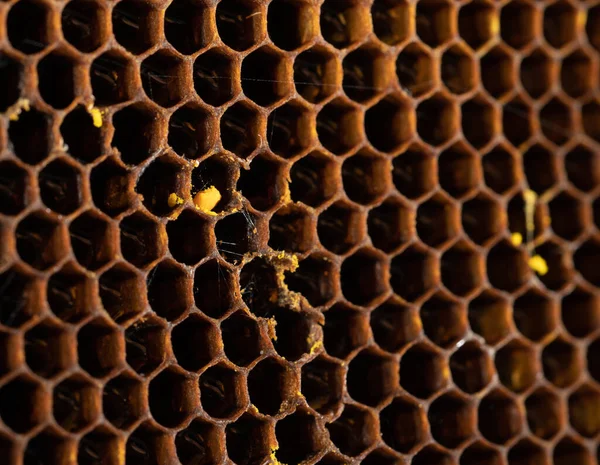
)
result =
(164, 78)
(164, 177)
(490, 317)
(15, 192)
(504, 256)
(435, 22)
(183, 394)
(298, 333)
(338, 127)
(222, 173)
(123, 401)
(433, 455)
(112, 76)
(322, 384)
(49, 447)
(452, 420)
(29, 26)
(403, 425)
(85, 141)
(584, 411)
(142, 239)
(580, 312)
(265, 77)
(100, 347)
(415, 70)
(557, 121)
(150, 445)
(472, 368)
(247, 440)
(345, 331)
(500, 417)
(11, 355)
(583, 168)
(92, 240)
(241, 129)
(207, 74)
(480, 452)
(135, 25)
(389, 123)
(21, 297)
(517, 121)
(444, 319)
(49, 349)
(353, 431)
(537, 73)
(560, 24)
(367, 72)
(60, 186)
(240, 23)
(24, 404)
(146, 345)
(382, 373)
(222, 391)
(437, 120)
(363, 277)
(12, 73)
(391, 225)
(208, 277)
(312, 280)
(263, 185)
(31, 135)
(437, 221)
(241, 339)
(138, 134)
(343, 24)
(57, 83)
(497, 72)
(185, 336)
(576, 73)
(112, 187)
(76, 403)
(535, 315)
(291, 229)
(316, 74)
(516, 365)
(458, 169)
(545, 413)
(423, 371)
(291, 130)
(298, 31)
(500, 170)
(41, 240)
(479, 121)
(341, 227)
(567, 216)
(593, 21)
(236, 235)
(187, 26)
(584, 258)
(365, 177)
(380, 456)
(84, 25)
(483, 218)
(516, 20)
(527, 452)
(569, 450)
(395, 325)
(560, 265)
(122, 293)
(414, 172)
(476, 22)
(314, 179)
(562, 363)
(271, 384)
(414, 273)
(590, 115)
(300, 437)
(200, 441)
(457, 70)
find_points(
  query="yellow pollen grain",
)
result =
(516, 239)
(538, 264)
(175, 200)
(207, 199)
(15, 111)
(96, 115)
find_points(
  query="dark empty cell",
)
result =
(364, 277)
(172, 398)
(556, 121)
(342, 23)
(56, 80)
(242, 338)
(389, 124)
(300, 437)
(137, 133)
(489, 317)
(148, 445)
(145, 343)
(478, 122)
(262, 185)
(92, 240)
(163, 78)
(40, 241)
(169, 290)
(502, 258)
(135, 25)
(458, 169)
(315, 74)
(159, 181)
(122, 293)
(200, 443)
(457, 70)
(258, 284)
(567, 216)
(14, 188)
(10, 356)
(353, 431)
(49, 448)
(190, 355)
(314, 179)
(264, 76)
(367, 73)
(583, 168)
(23, 404)
(222, 391)
(570, 451)
(209, 277)
(20, 299)
(11, 72)
(433, 455)
(580, 313)
(452, 420)
(423, 371)
(295, 334)
(84, 140)
(84, 25)
(476, 23)
(298, 28)
(590, 116)
(497, 72)
(479, 453)
(239, 23)
(338, 127)
(413, 273)
(434, 22)
(290, 130)
(381, 371)
(576, 74)
(394, 325)
(482, 218)
(584, 405)
(213, 76)
(290, 229)
(100, 348)
(340, 227)
(540, 169)
(516, 365)
(365, 177)
(29, 26)
(500, 418)
(122, 401)
(527, 452)
(436, 120)
(345, 331)
(31, 136)
(403, 425)
(75, 404)
(236, 235)
(187, 26)
(537, 73)
(390, 225)
(515, 24)
(562, 363)
(112, 77)
(322, 384)
(444, 320)
(560, 265)
(142, 239)
(99, 444)
(560, 24)
(47, 350)
(516, 122)
(218, 172)
(60, 186)
(462, 269)
(415, 70)
(436, 221)
(313, 279)
(500, 170)
(240, 130)
(247, 440)
(391, 20)
(472, 369)
(414, 172)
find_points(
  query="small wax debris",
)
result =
(21, 105)
(96, 115)
(175, 200)
(516, 239)
(538, 264)
(207, 199)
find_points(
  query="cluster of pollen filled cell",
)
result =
(299, 232)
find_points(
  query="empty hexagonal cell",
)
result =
(181, 391)
(271, 384)
(49, 349)
(590, 115)
(313, 279)
(343, 24)
(291, 129)
(338, 126)
(100, 347)
(435, 22)
(209, 69)
(76, 403)
(482, 218)
(14, 188)
(57, 83)
(291, 229)
(391, 224)
(584, 410)
(146, 345)
(365, 177)
(415, 70)
(185, 336)
(500, 417)
(367, 72)
(391, 20)
(560, 265)
(31, 135)
(363, 277)
(437, 120)
(84, 25)
(561, 362)
(560, 24)
(122, 293)
(164, 177)
(500, 170)
(423, 371)
(142, 239)
(60, 186)
(535, 315)
(49, 447)
(403, 425)
(263, 185)
(200, 441)
(497, 72)
(300, 437)
(169, 290)
(516, 21)
(112, 187)
(479, 121)
(265, 77)
(457, 70)
(345, 331)
(247, 440)
(567, 216)
(164, 78)
(545, 413)
(452, 420)
(112, 77)
(414, 273)
(123, 401)
(437, 221)
(472, 368)
(12, 72)
(490, 316)
(583, 168)
(593, 20)
(41, 240)
(341, 227)
(236, 235)
(580, 312)
(322, 384)
(389, 123)
(222, 391)
(21, 298)
(24, 404)
(298, 333)
(458, 169)
(537, 73)
(240, 23)
(380, 370)
(300, 28)
(433, 455)
(135, 25)
(576, 73)
(516, 365)
(527, 452)
(208, 277)
(476, 23)
(150, 445)
(29, 26)
(557, 121)
(504, 256)
(187, 26)
(137, 133)
(569, 450)
(444, 319)
(241, 129)
(316, 74)
(394, 325)
(584, 258)
(92, 240)
(85, 141)
(353, 431)
(314, 179)
(480, 452)
(517, 121)
(414, 172)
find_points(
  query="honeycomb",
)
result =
(299, 231)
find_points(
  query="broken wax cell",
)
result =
(207, 199)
